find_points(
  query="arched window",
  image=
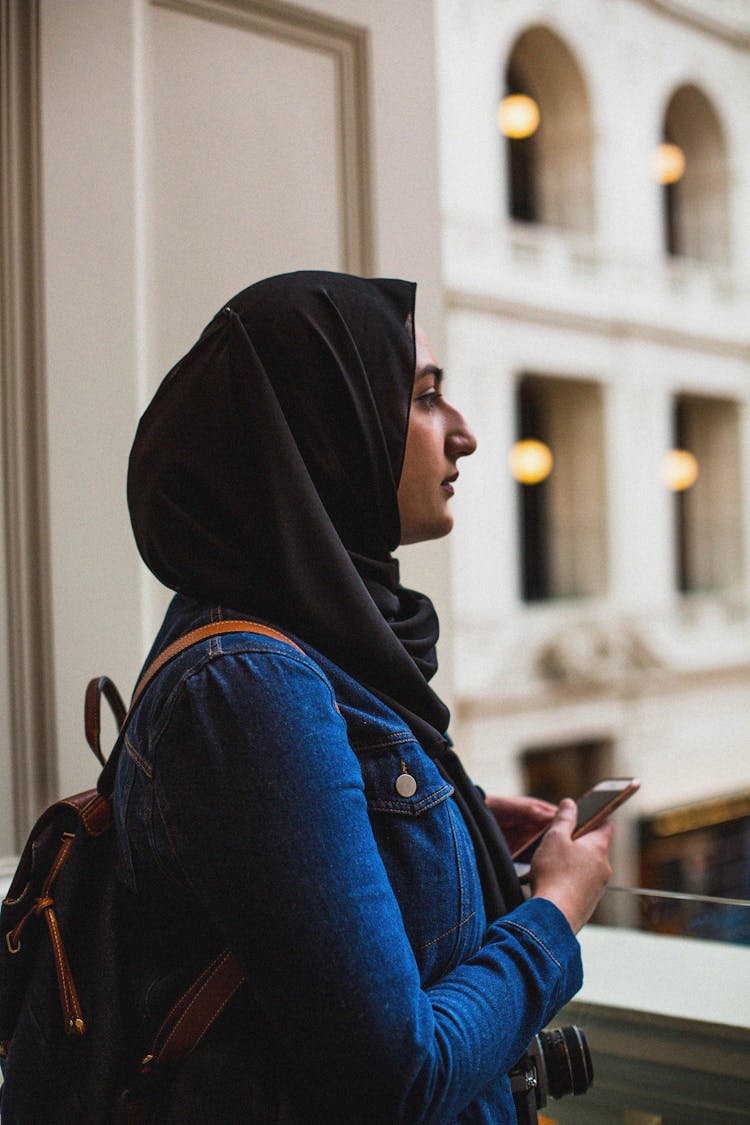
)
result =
(708, 500)
(562, 505)
(696, 191)
(549, 171)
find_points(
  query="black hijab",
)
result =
(264, 476)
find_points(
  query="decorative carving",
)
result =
(595, 654)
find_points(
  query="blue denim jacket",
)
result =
(256, 808)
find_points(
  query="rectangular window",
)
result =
(568, 770)
(708, 517)
(565, 770)
(562, 516)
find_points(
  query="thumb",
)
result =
(567, 813)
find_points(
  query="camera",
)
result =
(557, 1062)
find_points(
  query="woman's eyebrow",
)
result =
(432, 369)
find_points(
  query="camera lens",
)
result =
(568, 1060)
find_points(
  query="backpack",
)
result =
(68, 1048)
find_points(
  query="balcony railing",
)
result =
(665, 1016)
(572, 278)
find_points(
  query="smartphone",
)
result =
(593, 807)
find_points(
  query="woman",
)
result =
(303, 806)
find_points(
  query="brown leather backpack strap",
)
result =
(181, 1031)
(203, 633)
(194, 1014)
(92, 706)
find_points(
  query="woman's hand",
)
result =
(572, 873)
(520, 818)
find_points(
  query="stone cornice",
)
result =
(735, 32)
(624, 327)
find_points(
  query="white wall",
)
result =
(147, 231)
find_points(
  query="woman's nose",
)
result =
(460, 441)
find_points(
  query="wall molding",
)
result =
(595, 323)
(348, 45)
(23, 419)
(732, 30)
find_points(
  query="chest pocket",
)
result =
(427, 852)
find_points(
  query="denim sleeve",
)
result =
(260, 808)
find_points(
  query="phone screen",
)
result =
(596, 799)
(589, 805)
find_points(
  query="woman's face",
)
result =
(437, 436)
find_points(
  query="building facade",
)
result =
(602, 615)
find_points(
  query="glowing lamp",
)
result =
(679, 470)
(530, 461)
(668, 163)
(518, 116)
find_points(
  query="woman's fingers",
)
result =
(572, 873)
(520, 818)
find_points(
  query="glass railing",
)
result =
(677, 914)
(666, 1017)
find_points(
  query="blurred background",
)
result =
(569, 183)
(595, 172)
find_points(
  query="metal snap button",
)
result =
(406, 786)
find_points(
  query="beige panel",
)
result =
(92, 344)
(244, 167)
(7, 841)
(129, 282)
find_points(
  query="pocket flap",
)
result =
(402, 779)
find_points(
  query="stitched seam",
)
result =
(208, 658)
(12, 901)
(417, 807)
(538, 940)
(216, 616)
(139, 761)
(385, 741)
(459, 868)
(172, 850)
(177, 1012)
(216, 1012)
(205, 656)
(192, 1003)
(459, 865)
(447, 933)
(155, 983)
(89, 810)
(56, 940)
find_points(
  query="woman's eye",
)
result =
(430, 398)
